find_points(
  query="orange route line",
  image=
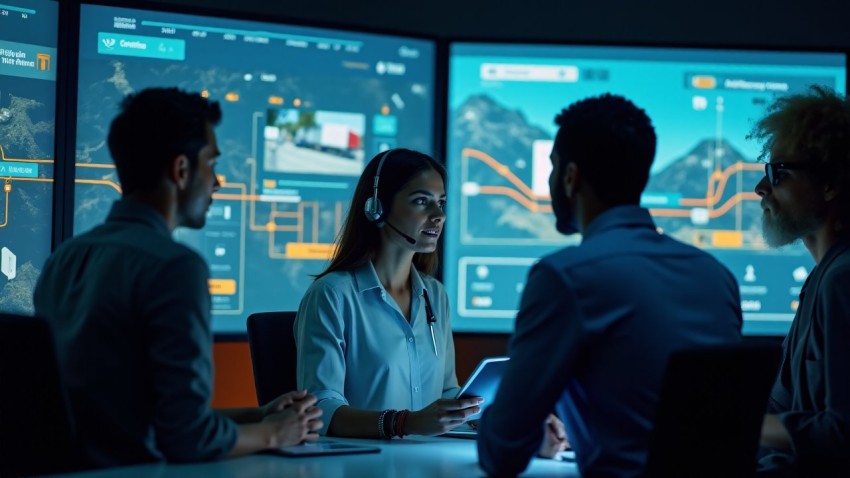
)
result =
(713, 214)
(254, 197)
(19, 160)
(238, 186)
(50, 180)
(670, 212)
(274, 213)
(272, 253)
(101, 182)
(713, 195)
(237, 197)
(284, 214)
(6, 217)
(37, 180)
(513, 193)
(301, 206)
(502, 170)
(740, 197)
(270, 226)
(95, 165)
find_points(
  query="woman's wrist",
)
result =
(411, 423)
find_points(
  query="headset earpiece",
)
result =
(373, 208)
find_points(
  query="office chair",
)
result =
(272, 341)
(36, 429)
(710, 410)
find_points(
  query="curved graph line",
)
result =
(502, 170)
(720, 179)
(513, 193)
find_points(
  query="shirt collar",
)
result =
(617, 217)
(367, 278)
(127, 210)
(841, 245)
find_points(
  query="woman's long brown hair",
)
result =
(359, 238)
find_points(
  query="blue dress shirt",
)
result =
(356, 348)
(596, 325)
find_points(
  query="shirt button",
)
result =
(415, 389)
(410, 339)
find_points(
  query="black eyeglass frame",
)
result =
(771, 169)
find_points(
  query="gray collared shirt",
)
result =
(355, 347)
(130, 308)
(812, 390)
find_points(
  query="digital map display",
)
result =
(304, 109)
(502, 103)
(28, 40)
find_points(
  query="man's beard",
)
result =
(781, 229)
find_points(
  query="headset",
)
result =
(375, 210)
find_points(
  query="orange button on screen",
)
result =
(222, 286)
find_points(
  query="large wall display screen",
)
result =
(28, 41)
(502, 103)
(304, 109)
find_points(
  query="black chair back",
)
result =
(36, 429)
(272, 341)
(711, 407)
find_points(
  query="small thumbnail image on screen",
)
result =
(314, 142)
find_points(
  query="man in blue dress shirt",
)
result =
(130, 306)
(598, 321)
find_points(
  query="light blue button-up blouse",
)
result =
(356, 348)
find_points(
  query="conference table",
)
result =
(411, 457)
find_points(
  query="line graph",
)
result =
(723, 196)
(507, 184)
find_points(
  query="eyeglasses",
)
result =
(771, 170)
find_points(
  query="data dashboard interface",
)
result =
(28, 41)
(502, 103)
(303, 110)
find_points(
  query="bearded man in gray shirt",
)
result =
(130, 307)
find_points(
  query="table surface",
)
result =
(411, 457)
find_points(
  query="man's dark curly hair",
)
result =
(613, 143)
(812, 126)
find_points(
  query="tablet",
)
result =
(484, 382)
(323, 448)
(462, 431)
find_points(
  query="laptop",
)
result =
(484, 382)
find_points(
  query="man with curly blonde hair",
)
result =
(805, 195)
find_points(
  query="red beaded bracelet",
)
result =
(399, 428)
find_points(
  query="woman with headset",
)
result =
(374, 340)
(373, 333)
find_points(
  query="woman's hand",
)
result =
(442, 415)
